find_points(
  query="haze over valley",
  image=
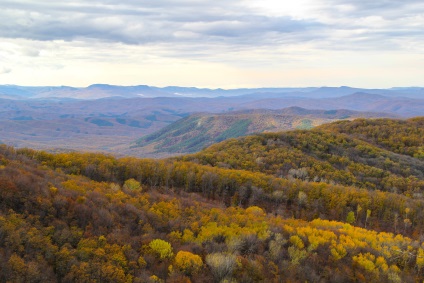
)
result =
(113, 118)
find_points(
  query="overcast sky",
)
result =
(220, 43)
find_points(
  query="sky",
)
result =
(214, 44)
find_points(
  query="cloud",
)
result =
(5, 70)
(133, 23)
(239, 23)
(31, 52)
(239, 34)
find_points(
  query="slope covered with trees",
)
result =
(334, 153)
(400, 136)
(75, 217)
(197, 131)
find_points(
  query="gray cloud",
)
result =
(336, 24)
(376, 25)
(134, 23)
(31, 52)
(378, 7)
(5, 70)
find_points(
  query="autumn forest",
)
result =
(342, 202)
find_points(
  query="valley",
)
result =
(211, 141)
(323, 182)
(114, 119)
(342, 202)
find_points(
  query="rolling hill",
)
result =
(358, 101)
(198, 131)
(60, 121)
(228, 213)
(381, 154)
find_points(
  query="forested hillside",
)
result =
(126, 123)
(400, 136)
(334, 153)
(226, 214)
(197, 131)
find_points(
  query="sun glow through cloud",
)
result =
(300, 9)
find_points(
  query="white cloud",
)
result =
(269, 38)
(4, 70)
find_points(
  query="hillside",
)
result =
(358, 101)
(185, 221)
(111, 123)
(97, 125)
(80, 217)
(198, 131)
(333, 153)
(400, 136)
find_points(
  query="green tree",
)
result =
(133, 184)
(350, 217)
(162, 249)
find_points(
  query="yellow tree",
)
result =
(162, 249)
(188, 263)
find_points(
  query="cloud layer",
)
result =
(240, 32)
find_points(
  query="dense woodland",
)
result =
(340, 203)
(197, 131)
(381, 154)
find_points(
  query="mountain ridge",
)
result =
(194, 132)
(325, 204)
(368, 153)
(96, 91)
(112, 123)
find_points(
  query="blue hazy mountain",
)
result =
(97, 91)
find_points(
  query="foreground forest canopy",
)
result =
(340, 203)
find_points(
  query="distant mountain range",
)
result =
(97, 91)
(111, 118)
(360, 101)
